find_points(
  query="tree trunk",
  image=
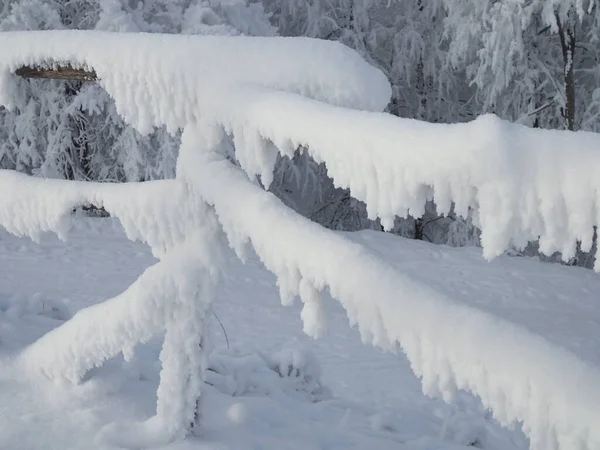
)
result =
(80, 151)
(566, 31)
(419, 229)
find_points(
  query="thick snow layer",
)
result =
(173, 79)
(273, 94)
(521, 184)
(159, 213)
(517, 374)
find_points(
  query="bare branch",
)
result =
(58, 73)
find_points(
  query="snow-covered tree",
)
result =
(532, 62)
(402, 38)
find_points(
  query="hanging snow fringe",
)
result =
(159, 213)
(519, 184)
(518, 375)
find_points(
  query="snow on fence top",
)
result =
(273, 94)
(519, 183)
(173, 80)
(518, 375)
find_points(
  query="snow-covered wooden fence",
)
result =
(262, 97)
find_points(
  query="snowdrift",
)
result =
(271, 95)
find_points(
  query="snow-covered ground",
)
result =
(341, 394)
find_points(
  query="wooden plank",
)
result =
(57, 73)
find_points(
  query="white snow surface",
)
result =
(159, 79)
(374, 400)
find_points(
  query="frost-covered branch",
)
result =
(520, 183)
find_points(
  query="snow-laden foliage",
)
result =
(268, 97)
(516, 55)
(402, 38)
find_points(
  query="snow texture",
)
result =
(293, 372)
(174, 80)
(517, 374)
(520, 183)
(272, 95)
(159, 213)
(173, 297)
(375, 402)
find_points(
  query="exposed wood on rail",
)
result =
(57, 73)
